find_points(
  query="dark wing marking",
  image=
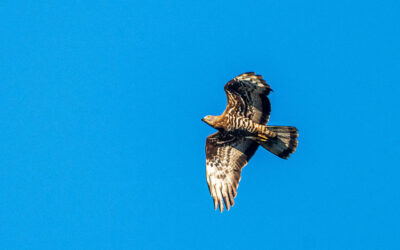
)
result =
(247, 97)
(226, 155)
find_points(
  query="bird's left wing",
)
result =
(226, 155)
(248, 97)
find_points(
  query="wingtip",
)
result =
(228, 205)
(215, 204)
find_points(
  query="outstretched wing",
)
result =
(247, 97)
(226, 155)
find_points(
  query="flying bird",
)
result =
(241, 129)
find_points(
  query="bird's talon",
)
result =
(262, 137)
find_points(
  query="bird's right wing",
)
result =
(226, 155)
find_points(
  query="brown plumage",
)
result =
(241, 129)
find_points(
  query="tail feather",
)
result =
(284, 143)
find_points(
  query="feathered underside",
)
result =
(228, 152)
(230, 149)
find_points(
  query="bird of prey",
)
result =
(241, 129)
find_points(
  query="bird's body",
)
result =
(241, 129)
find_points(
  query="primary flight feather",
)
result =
(241, 129)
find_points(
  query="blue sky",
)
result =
(102, 147)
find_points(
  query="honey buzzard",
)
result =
(241, 129)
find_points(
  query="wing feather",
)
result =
(226, 156)
(248, 97)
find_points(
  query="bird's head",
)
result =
(210, 120)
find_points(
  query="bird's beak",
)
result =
(202, 119)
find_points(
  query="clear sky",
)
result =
(102, 147)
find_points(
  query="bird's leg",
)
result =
(264, 132)
(261, 130)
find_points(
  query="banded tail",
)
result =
(284, 143)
